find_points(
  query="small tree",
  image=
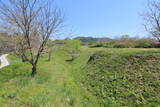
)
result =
(72, 47)
(152, 18)
(50, 47)
(35, 21)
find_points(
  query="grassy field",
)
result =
(65, 84)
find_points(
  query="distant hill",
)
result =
(87, 40)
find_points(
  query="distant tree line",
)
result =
(10, 44)
(122, 42)
(6, 44)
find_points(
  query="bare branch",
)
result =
(35, 21)
(152, 18)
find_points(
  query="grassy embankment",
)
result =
(66, 84)
(124, 77)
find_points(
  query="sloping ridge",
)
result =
(4, 61)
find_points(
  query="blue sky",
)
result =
(102, 18)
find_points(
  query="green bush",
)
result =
(145, 43)
(123, 45)
(108, 44)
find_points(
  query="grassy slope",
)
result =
(124, 77)
(56, 85)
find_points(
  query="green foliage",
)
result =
(123, 45)
(126, 42)
(121, 78)
(72, 47)
(108, 44)
(145, 43)
(91, 40)
(53, 86)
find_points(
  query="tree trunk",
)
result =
(49, 56)
(23, 60)
(34, 70)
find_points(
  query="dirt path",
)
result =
(4, 61)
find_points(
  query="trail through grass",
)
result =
(54, 85)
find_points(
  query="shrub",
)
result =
(124, 45)
(145, 43)
(108, 44)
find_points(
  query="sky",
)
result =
(102, 18)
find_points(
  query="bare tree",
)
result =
(152, 18)
(35, 21)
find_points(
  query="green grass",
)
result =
(58, 83)
(124, 77)
(53, 86)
